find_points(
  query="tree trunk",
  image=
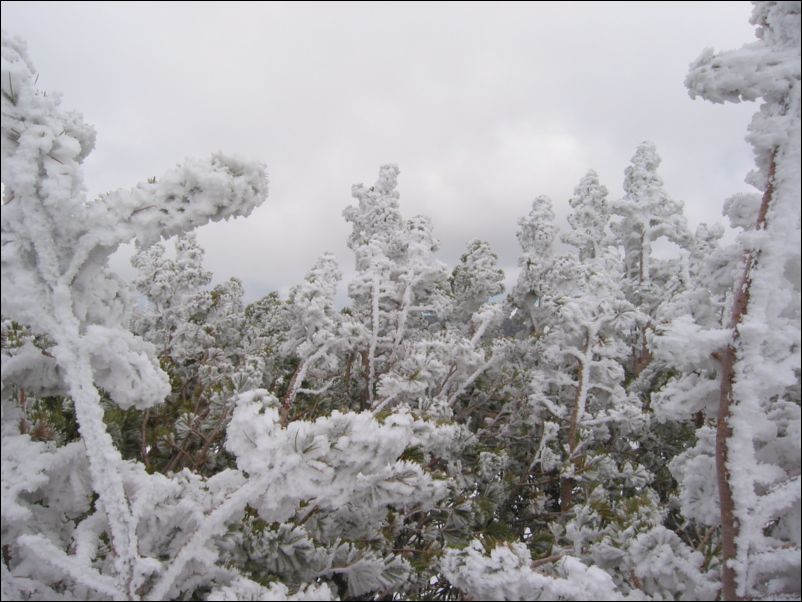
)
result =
(365, 402)
(577, 412)
(728, 358)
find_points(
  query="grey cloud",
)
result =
(483, 106)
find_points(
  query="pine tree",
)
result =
(429, 441)
(754, 449)
(313, 328)
(646, 213)
(536, 234)
(474, 282)
(590, 217)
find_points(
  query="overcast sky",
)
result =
(482, 106)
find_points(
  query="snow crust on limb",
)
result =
(506, 574)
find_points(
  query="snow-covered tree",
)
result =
(507, 573)
(429, 441)
(313, 326)
(579, 382)
(55, 281)
(398, 279)
(643, 216)
(536, 234)
(753, 455)
(474, 281)
(299, 499)
(646, 213)
(175, 290)
(201, 339)
(400, 297)
(587, 422)
(590, 217)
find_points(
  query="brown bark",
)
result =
(643, 357)
(286, 402)
(365, 370)
(567, 485)
(728, 359)
(143, 449)
(729, 527)
(566, 494)
(347, 377)
(640, 259)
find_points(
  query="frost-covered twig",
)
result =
(71, 567)
(213, 524)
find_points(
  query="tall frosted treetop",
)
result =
(477, 273)
(536, 231)
(475, 280)
(646, 213)
(641, 182)
(590, 216)
(646, 204)
(376, 219)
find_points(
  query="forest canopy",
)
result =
(617, 425)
